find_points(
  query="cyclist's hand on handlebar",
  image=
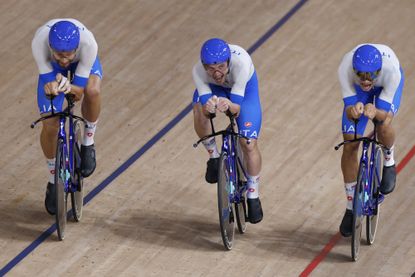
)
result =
(64, 85)
(223, 104)
(211, 104)
(51, 89)
(357, 110)
(370, 111)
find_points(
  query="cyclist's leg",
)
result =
(200, 121)
(48, 137)
(91, 108)
(386, 135)
(91, 103)
(249, 124)
(349, 161)
(50, 126)
(203, 128)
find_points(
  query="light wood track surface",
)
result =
(159, 217)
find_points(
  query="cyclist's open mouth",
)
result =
(366, 85)
(64, 65)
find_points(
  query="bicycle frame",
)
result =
(369, 207)
(229, 146)
(68, 144)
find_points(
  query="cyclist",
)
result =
(225, 79)
(371, 80)
(58, 46)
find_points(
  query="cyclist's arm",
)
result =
(354, 111)
(241, 73)
(225, 104)
(88, 51)
(77, 92)
(391, 83)
(205, 93)
(51, 88)
(345, 74)
(381, 115)
(87, 56)
(234, 108)
(42, 56)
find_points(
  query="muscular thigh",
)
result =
(250, 117)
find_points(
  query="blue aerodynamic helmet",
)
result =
(214, 51)
(64, 36)
(367, 58)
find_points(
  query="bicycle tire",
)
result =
(358, 202)
(240, 213)
(240, 208)
(77, 196)
(61, 195)
(225, 207)
(373, 220)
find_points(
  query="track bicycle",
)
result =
(232, 181)
(367, 196)
(68, 177)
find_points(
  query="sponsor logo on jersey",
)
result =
(248, 124)
(48, 108)
(348, 130)
(249, 133)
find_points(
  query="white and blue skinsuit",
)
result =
(86, 62)
(387, 88)
(240, 86)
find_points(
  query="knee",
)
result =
(198, 116)
(92, 92)
(386, 127)
(249, 148)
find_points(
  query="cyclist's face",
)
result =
(366, 80)
(217, 71)
(64, 59)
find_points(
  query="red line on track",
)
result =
(321, 255)
(317, 260)
(406, 159)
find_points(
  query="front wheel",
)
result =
(61, 177)
(372, 220)
(358, 203)
(77, 196)
(226, 209)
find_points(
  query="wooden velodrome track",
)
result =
(154, 215)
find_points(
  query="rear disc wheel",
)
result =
(77, 196)
(373, 220)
